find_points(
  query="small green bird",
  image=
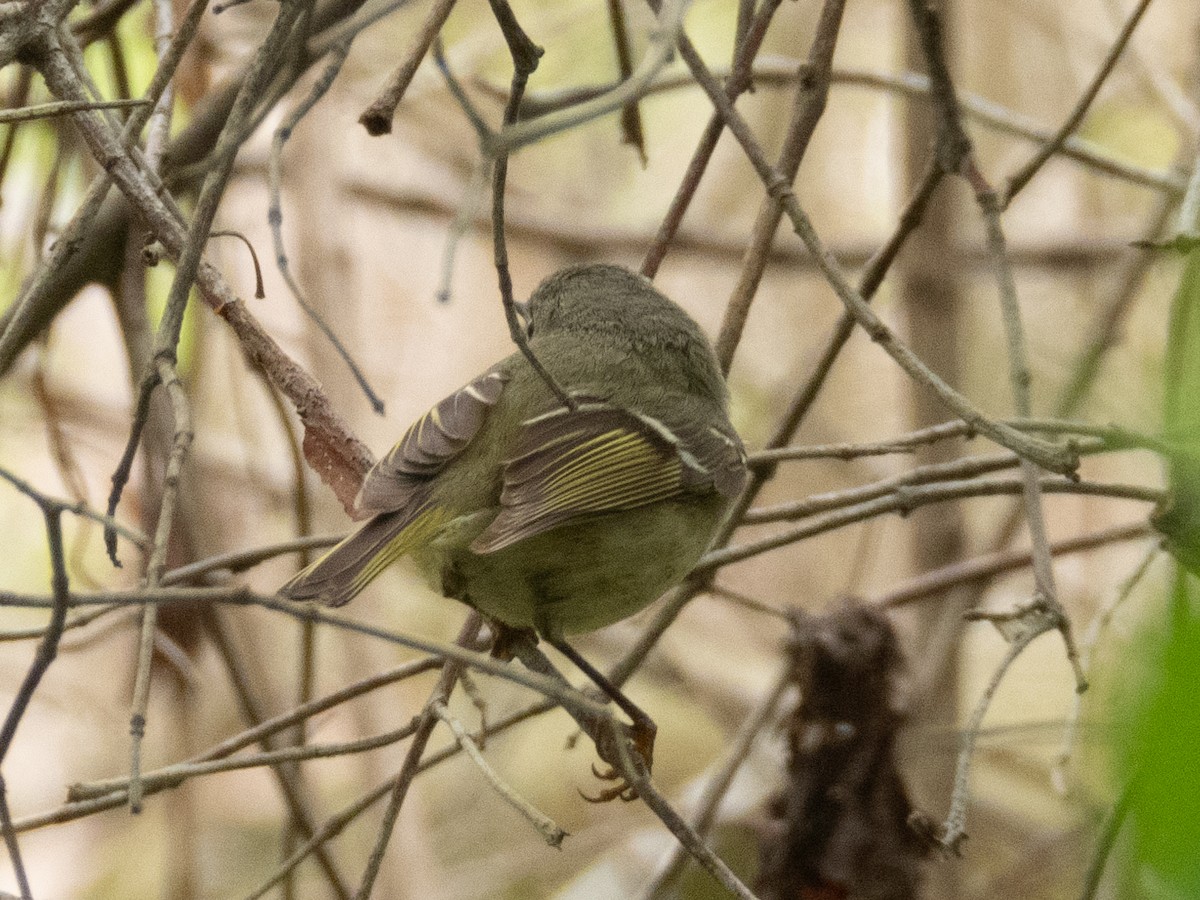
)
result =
(545, 517)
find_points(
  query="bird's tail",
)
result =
(342, 573)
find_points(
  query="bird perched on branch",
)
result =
(553, 517)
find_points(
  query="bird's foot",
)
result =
(639, 738)
(507, 640)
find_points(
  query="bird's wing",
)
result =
(599, 458)
(429, 444)
(396, 496)
(339, 575)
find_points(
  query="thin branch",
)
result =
(170, 494)
(330, 829)
(296, 795)
(264, 729)
(960, 159)
(1108, 837)
(658, 53)
(811, 95)
(1022, 176)
(1021, 379)
(80, 621)
(546, 827)
(1111, 437)
(46, 652)
(736, 755)
(905, 499)
(981, 568)
(631, 117)
(61, 108)
(320, 87)
(639, 778)
(11, 844)
(1087, 648)
(237, 595)
(237, 561)
(48, 648)
(174, 775)
(335, 824)
(1030, 623)
(467, 637)
(966, 467)
(160, 119)
(377, 118)
(773, 72)
(79, 509)
(525, 54)
(738, 81)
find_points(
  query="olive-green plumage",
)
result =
(550, 518)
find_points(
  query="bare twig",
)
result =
(631, 117)
(154, 568)
(962, 161)
(1020, 378)
(1022, 176)
(75, 508)
(377, 118)
(550, 831)
(1086, 650)
(718, 786)
(61, 108)
(1108, 836)
(774, 72)
(241, 560)
(748, 43)
(80, 621)
(967, 467)
(11, 844)
(174, 775)
(408, 770)
(905, 499)
(811, 94)
(525, 54)
(1029, 623)
(639, 778)
(658, 52)
(291, 786)
(160, 778)
(44, 656)
(970, 571)
(1111, 437)
(320, 87)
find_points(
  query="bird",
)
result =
(549, 516)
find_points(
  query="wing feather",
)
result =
(395, 494)
(343, 572)
(429, 444)
(600, 458)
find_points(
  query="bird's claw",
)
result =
(641, 739)
(622, 791)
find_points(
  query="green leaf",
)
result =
(1179, 521)
(1160, 760)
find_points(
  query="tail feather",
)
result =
(342, 573)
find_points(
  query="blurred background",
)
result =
(389, 238)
